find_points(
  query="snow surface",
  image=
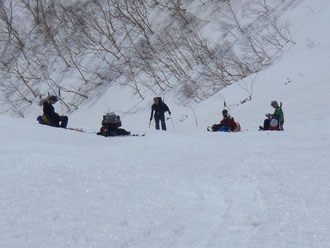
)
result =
(62, 188)
(185, 188)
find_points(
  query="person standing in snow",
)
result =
(228, 124)
(51, 118)
(159, 107)
(274, 121)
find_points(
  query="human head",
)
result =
(52, 99)
(225, 113)
(274, 104)
(156, 99)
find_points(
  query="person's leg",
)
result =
(121, 131)
(157, 122)
(63, 120)
(223, 129)
(162, 119)
(216, 127)
(266, 124)
(56, 121)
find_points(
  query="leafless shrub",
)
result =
(61, 38)
(248, 87)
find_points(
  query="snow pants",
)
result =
(223, 129)
(266, 124)
(61, 119)
(162, 120)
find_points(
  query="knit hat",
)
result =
(53, 98)
(274, 103)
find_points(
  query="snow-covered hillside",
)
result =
(83, 50)
(185, 188)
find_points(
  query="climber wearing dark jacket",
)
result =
(159, 108)
(53, 118)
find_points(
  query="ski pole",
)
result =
(149, 124)
(59, 94)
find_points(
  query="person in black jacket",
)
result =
(54, 118)
(159, 108)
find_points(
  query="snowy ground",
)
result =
(61, 188)
(188, 188)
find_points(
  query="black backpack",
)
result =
(111, 120)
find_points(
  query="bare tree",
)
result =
(59, 39)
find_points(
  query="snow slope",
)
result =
(299, 79)
(188, 188)
(62, 188)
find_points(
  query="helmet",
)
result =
(274, 104)
(225, 113)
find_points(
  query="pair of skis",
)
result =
(80, 130)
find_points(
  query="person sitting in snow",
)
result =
(110, 126)
(274, 121)
(50, 117)
(159, 107)
(227, 124)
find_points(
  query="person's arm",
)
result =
(232, 124)
(165, 108)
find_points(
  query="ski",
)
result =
(137, 135)
(80, 130)
(76, 129)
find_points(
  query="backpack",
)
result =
(111, 120)
(43, 120)
(275, 123)
(216, 127)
